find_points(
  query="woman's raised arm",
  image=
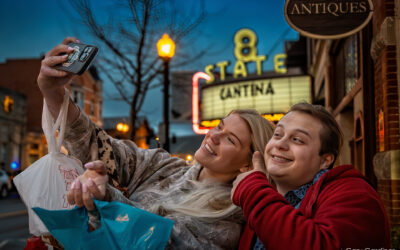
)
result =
(51, 81)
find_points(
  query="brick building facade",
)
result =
(357, 79)
(20, 76)
(385, 53)
(13, 114)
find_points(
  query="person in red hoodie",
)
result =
(303, 202)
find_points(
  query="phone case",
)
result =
(80, 59)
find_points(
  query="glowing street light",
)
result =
(166, 50)
(189, 157)
(166, 47)
(122, 127)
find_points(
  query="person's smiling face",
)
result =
(292, 155)
(225, 149)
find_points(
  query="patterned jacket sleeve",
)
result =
(127, 164)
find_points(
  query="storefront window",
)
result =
(78, 97)
(3, 152)
(358, 143)
(350, 61)
(92, 108)
(100, 110)
(33, 158)
(345, 72)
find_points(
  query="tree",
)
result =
(129, 35)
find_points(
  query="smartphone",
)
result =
(78, 60)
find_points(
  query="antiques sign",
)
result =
(328, 19)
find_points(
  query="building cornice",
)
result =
(386, 165)
(386, 36)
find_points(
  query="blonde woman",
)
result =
(196, 197)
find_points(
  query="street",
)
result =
(14, 228)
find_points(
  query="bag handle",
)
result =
(50, 127)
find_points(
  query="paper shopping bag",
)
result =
(46, 182)
(122, 227)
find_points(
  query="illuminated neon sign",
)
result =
(195, 102)
(267, 96)
(245, 52)
(271, 97)
(213, 123)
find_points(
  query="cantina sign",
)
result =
(267, 96)
(328, 19)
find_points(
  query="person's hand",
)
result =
(51, 79)
(91, 184)
(258, 165)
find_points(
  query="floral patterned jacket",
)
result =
(151, 178)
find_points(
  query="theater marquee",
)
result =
(267, 96)
(270, 93)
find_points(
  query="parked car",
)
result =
(5, 184)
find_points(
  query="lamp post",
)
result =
(166, 50)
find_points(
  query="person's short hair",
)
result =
(331, 136)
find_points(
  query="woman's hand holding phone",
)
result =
(51, 79)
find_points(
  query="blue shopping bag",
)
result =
(122, 227)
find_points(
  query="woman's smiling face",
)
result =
(225, 149)
(292, 155)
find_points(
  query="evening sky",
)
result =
(29, 28)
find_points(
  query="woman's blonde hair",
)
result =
(211, 201)
(261, 130)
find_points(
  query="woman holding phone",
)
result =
(196, 197)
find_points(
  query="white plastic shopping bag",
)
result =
(46, 182)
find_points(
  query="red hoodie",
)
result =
(340, 211)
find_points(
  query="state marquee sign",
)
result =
(328, 19)
(267, 96)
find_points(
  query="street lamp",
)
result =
(166, 50)
(122, 127)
